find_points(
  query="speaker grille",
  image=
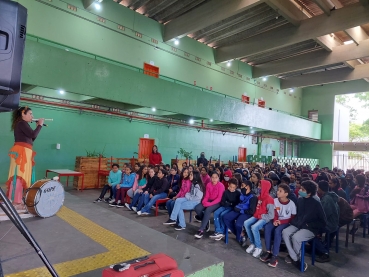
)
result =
(22, 31)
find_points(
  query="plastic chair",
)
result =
(328, 236)
(365, 218)
(158, 202)
(303, 254)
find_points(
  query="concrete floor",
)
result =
(351, 261)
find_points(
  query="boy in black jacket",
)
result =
(159, 190)
(310, 219)
(230, 199)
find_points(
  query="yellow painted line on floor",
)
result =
(119, 249)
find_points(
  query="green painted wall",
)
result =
(50, 67)
(80, 132)
(81, 30)
(322, 98)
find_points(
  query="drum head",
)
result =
(50, 199)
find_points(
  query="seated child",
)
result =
(211, 202)
(141, 180)
(114, 178)
(308, 222)
(189, 202)
(263, 214)
(235, 219)
(185, 186)
(230, 199)
(285, 211)
(125, 184)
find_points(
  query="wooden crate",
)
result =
(89, 166)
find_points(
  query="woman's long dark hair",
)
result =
(197, 180)
(17, 116)
(181, 178)
(140, 175)
(157, 149)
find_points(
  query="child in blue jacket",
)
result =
(115, 175)
(126, 183)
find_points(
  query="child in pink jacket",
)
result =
(211, 202)
(185, 186)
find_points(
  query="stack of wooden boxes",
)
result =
(90, 166)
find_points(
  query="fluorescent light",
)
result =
(97, 6)
(348, 42)
(252, 132)
(292, 90)
(191, 121)
(265, 78)
(229, 64)
(211, 120)
(176, 41)
(153, 109)
(61, 91)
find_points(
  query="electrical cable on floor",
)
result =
(18, 256)
(7, 232)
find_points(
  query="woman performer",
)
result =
(21, 176)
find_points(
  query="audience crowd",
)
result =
(291, 203)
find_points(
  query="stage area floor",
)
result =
(85, 237)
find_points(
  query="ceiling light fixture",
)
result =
(191, 121)
(265, 79)
(229, 63)
(153, 109)
(292, 90)
(61, 91)
(211, 120)
(348, 42)
(252, 132)
(176, 41)
(97, 6)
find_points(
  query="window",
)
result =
(313, 115)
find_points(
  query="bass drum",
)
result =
(44, 198)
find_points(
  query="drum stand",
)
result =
(9, 210)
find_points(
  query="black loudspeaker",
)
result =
(13, 21)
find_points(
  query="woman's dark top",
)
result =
(24, 133)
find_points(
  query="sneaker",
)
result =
(98, 200)
(216, 236)
(170, 222)
(323, 258)
(273, 262)
(288, 259)
(139, 213)
(120, 205)
(107, 200)
(250, 249)
(207, 228)
(128, 207)
(220, 237)
(265, 257)
(179, 228)
(153, 207)
(199, 234)
(354, 230)
(145, 213)
(298, 265)
(111, 201)
(197, 218)
(113, 204)
(134, 209)
(257, 252)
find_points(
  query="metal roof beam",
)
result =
(325, 5)
(326, 77)
(204, 16)
(313, 59)
(288, 10)
(328, 42)
(341, 19)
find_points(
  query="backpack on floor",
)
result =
(157, 265)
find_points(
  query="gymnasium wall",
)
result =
(80, 132)
(188, 62)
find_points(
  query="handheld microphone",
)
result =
(42, 124)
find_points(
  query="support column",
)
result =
(259, 146)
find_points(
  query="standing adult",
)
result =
(155, 157)
(21, 171)
(202, 160)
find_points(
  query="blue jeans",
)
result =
(218, 218)
(170, 206)
(180, 205)
(268, 233)
(152, 202)
(143, 200)
(234, 222)
(253, 226)
(135, 200)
